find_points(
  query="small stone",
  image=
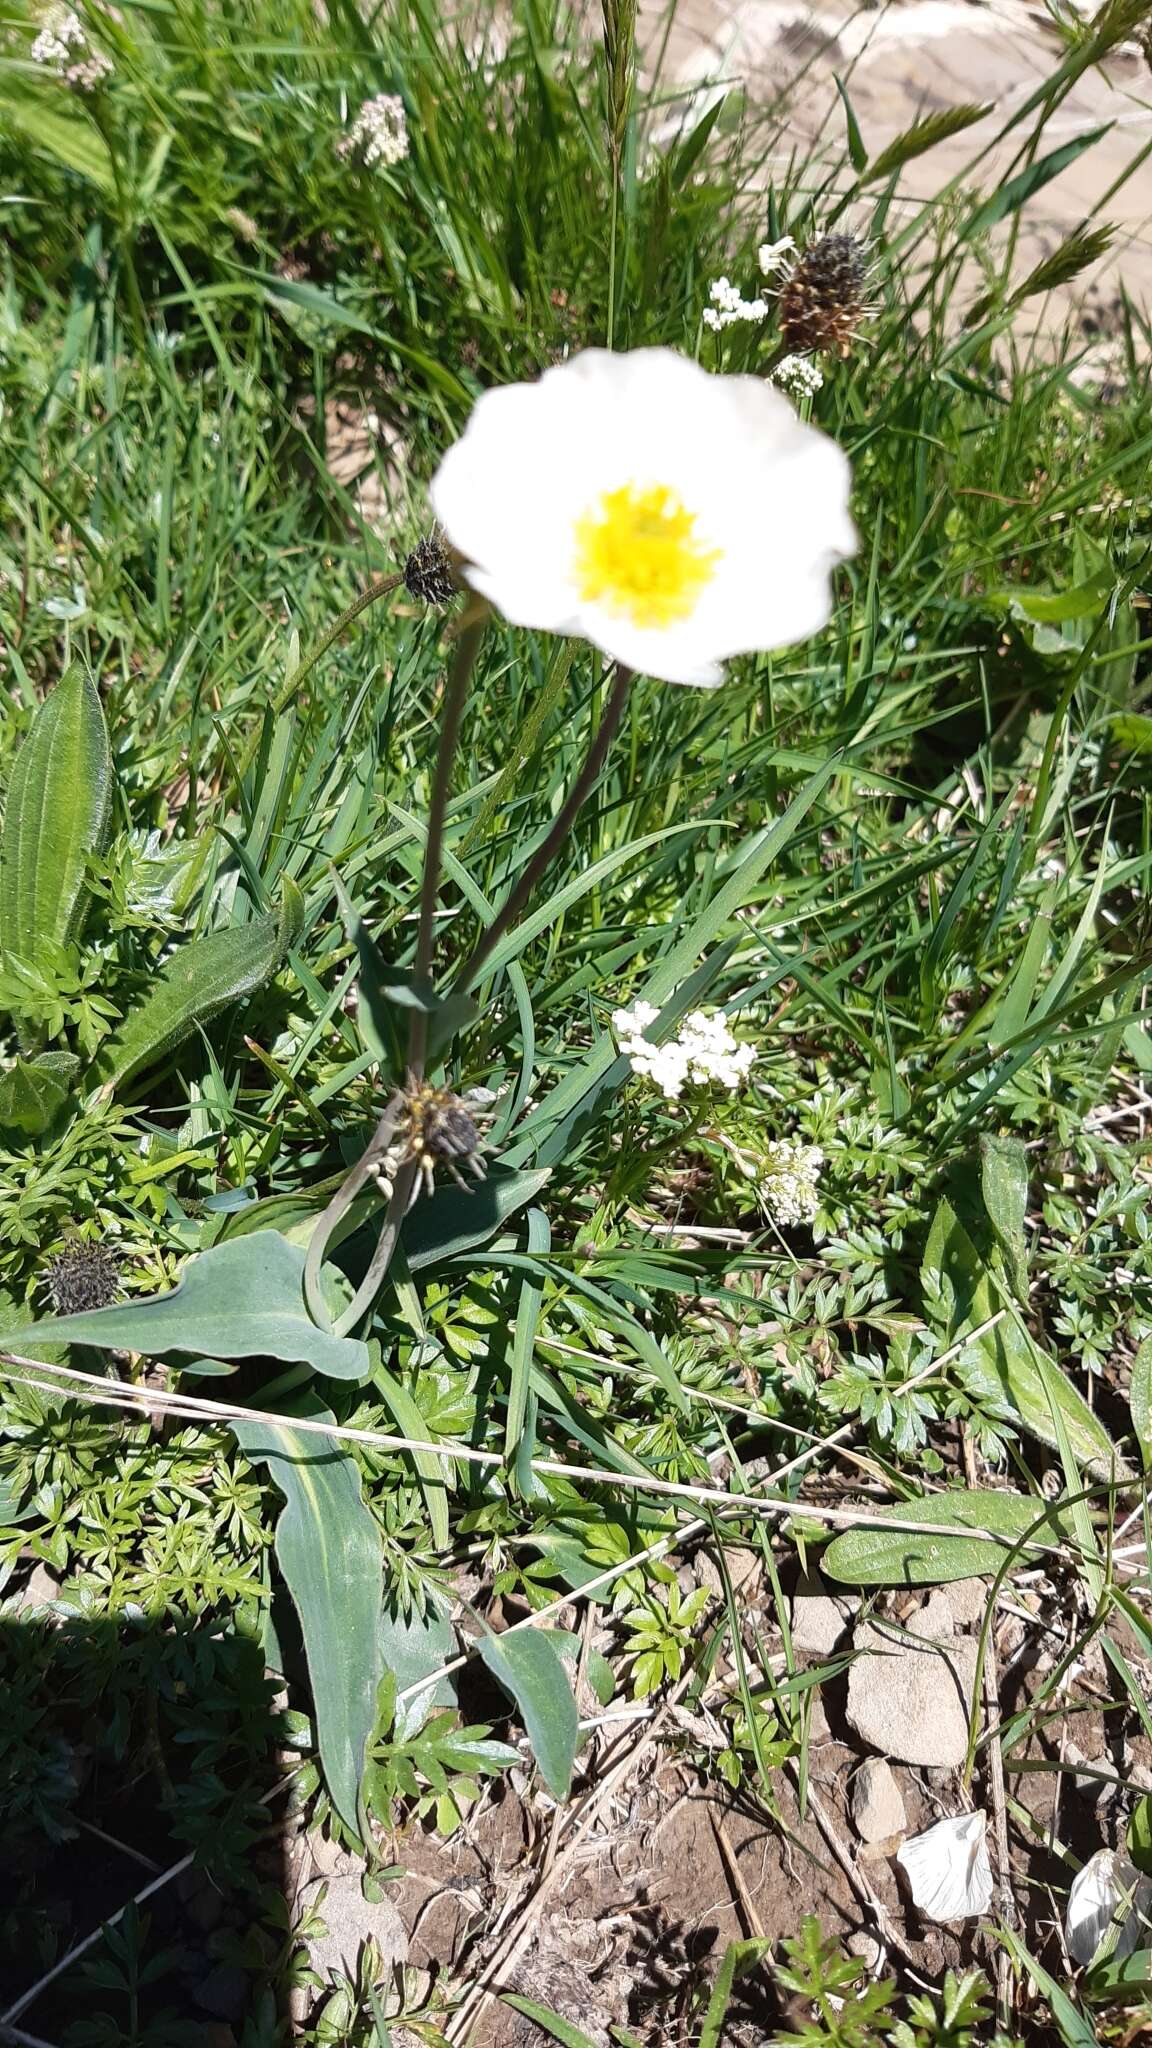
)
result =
(330, 1860)
(819, 1620)
(877, 1802)
(968, 1599)
(867, 1947)
(223, 1992)
(911, 1703)
(934, 1621)
(40, 1588)
(743, 1569)
(351, 1920)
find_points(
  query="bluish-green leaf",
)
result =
(201, 979)
(532, 1673)
(1140, 1401)
(329, 1549)
(549, 2022)
(415, 1646)
(1014, 192)
(56, 817)
(243, 1299)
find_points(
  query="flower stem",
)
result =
(455, 696)
(383, 587)
(561, 826)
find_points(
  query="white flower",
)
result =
(948, 1868)
(379, 134)
(728, 305)
(1108, 1891)
(770, 255)
(667, 515)
(790, 1188)
(799, 376)
(63, 45)
(704, 1051)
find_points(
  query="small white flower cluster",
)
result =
(790, 1188)
(704, 1051)
(772, 255)
(728, 306)
(63, 46)
(379, 134)
(798, 376)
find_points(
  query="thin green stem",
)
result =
(561, 826)
(383, 587)
(341, 1202)
(455, 697)
(374, 1278)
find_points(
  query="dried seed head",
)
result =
(824, 298)
(437, 1129)
(81, 1277)
(428, 572)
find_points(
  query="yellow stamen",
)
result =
(638, 555)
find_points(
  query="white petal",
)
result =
(768, 493)
(1109, 1887)
(948, 1869)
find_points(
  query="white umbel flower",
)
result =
(703, 1051)
(379, 134)
(728, 305)
(1109, 1891)
(799, 376)
(948, 1868)
(63, 46)
(667, 515)
(790, 1183)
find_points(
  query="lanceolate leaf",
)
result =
(56, 816)
(239, 1300)
(1004, 1186)
(329, 1549)
(1140, 1401)
(199, 981)
(1005, 1366)
(531, 1672)
(901, 1557)
(1011, 196)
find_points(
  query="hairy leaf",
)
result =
(56, 816)
(532, 1673)
(199, 981)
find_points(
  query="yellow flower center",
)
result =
(638, 555)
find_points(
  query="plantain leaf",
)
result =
(549, 2022)
(532, 1673)
(1004, 1187)
(57, 814)
(33, 1092)
(329, 1549)
(199, 981)
(1005, 1366)
(923, 135)
(1140, 1401)
(239, 1300)
(900, 1557)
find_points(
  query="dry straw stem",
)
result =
(88, 1386)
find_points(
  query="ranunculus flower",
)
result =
(948, 1869)
(1109, 1888)
(667, 515)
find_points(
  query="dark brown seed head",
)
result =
(81, 1277)
(824, 299)
(428, 572)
